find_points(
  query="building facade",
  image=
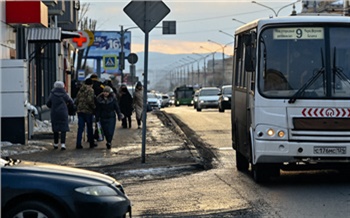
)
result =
(36, 34)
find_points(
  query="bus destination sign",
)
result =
(298, 33)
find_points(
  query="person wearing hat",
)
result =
(126, 105)
(85, 102)
(57, 102)
(138, 103)
(107, 108)
(97, 85)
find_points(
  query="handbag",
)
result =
(72, 109)
(98, 134)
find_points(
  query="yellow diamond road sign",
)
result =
(110, 62)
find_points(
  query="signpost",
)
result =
(146, 15)
(110, 62)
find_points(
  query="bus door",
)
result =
(244, 92)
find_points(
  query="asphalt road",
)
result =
(190, 172)
(309, 193)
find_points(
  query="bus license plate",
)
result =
(329, 150)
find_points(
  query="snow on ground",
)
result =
(8, 148)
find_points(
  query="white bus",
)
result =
(291, 94)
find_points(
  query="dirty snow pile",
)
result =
(8, 148)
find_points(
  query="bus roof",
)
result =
(292, 19)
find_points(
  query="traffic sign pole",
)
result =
(146, 14)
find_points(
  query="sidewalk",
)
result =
(165, 147)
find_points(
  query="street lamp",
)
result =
(189, 61)
(195, 60)
(186, 63)
(276, 13)
(223, 58)
(213, 53)
(204, 66)
(226, 33)
(234, 19)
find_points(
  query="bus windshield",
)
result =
(304, 62)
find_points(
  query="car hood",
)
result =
(152, 99)
(209, 98)
(85, 176)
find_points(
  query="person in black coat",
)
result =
(57, 102)
(126, 105)
(106, 109)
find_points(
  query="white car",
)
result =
(208, 97)
(153, 100)
(165, 100)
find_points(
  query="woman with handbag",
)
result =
(107, 108)
(138, 103)
(57, 102)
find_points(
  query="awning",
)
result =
(67, 35)
(44, 34)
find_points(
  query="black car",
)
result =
(31, 189)
(225, 98)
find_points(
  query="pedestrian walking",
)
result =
(85, 102)
(97, 85)
(138, 103)
(107, 108)
(57, 102)
(126, 105)
(108, 82)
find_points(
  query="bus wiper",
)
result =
(337, 71)
(309, 82)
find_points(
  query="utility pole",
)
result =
(122, 54)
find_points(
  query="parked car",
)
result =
(32, 189)
(208, 97)
(195, 99)
(153, 100)
(225, 98)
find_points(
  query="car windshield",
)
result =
(227, 91)
(313, 62)
(151, 95)
(209, 92)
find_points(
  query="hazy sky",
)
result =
(196, 23)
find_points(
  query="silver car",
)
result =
(208, 97)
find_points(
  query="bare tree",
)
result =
(85, 23)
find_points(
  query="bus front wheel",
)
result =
(262, 172)
(242, 163)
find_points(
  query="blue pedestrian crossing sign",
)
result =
(110, 62)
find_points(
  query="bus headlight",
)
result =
(270, 132)
(265, 132)
(281, 134)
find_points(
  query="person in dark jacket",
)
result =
(106, 109)
(57, 102)
(126, 105)
(97, 85)
(85, 102)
